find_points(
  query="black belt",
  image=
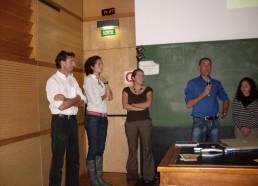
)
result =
(210, 118)
(64, 116)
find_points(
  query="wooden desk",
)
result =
(194, 173)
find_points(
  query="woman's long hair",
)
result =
(90, 62)
(253, 90)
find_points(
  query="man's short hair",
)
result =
(204, 59)
(62, 56)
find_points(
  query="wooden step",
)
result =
(15, 36)
(15, 9)
(14, 49)
(16, 58)
(14, 22)
(23, 3)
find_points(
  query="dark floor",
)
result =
(115, 179)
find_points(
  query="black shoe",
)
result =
(152, 182)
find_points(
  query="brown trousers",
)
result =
(134, 130)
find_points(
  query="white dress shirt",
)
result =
(68, 86)
(94, 89)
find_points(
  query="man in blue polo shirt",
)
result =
(202, 94)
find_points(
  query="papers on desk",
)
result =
(186, 144)
(189, 157)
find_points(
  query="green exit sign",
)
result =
(108, 32)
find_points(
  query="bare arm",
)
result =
(80, 104)
(126, 105)
(225, 109)
(145, 104)
(109, 94)
(68, 102)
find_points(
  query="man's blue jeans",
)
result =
(96, 128)
(205, 130)
(64, 135)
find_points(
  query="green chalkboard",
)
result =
(232, 60)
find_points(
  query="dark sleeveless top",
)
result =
(137, 98)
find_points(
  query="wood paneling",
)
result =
(58, 31)
(75, 6)
(17, 9)
(116, 152)
(125, 36)
(16, 24)
(20, 163)
(13, 36)
(46, 156)
(15, 49)
(19, 99)
(92, 9)
(45, 114)
(23, 3)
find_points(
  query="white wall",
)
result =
(177, 21)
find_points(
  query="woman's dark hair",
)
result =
(253, 90)
(90, 62)
(62, 56)
(135, 72)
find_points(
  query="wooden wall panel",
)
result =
(125, 36)
(25, 119)
(45, 115)
(21, 163)
(92, 8)
(116, 152)
(34, 30)
(46, 155)
(19, 99)
(83, 143)
(74, 6)
(58, 31)
(79, 78)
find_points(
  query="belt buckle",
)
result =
(206, 118)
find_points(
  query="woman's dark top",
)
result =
(246, 101)
(137, 98)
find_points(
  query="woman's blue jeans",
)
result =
(96, 128)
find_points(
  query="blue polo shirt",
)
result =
(209, 105)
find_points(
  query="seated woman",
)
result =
(245, 109)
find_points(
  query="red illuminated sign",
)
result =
(109, 11)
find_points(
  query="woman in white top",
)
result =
(97, 92)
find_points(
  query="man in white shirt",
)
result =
(64, 96)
